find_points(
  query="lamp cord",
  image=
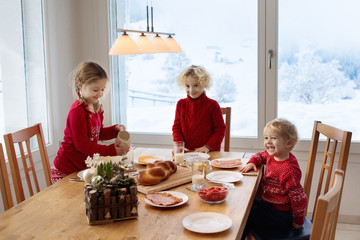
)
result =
(147, 16)
(152, 18)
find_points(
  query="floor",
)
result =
(347, 232)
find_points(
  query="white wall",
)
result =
(76, 32)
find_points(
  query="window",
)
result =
(221, 36)
(318, 64)
(310, 53)
(23, 98)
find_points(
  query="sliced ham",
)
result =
(227, 163)
(164, 199)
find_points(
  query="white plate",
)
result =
(183, 196)
(156, 157)
(224, 176)
(224, 159)
(207, 222)
(113, 159)
(199, 154)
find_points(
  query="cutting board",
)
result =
(183, 175)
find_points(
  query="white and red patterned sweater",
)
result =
(281, 184)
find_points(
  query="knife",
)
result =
(249, 174)
(76, 180)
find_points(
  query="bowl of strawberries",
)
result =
(213, 192)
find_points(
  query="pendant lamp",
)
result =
(173, 45)
(145, 45)
(125, 45)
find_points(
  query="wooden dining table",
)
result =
(58, 212)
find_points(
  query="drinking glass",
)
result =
(179, 148)
(129, 162)
(199, 167)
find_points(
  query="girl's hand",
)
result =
(121, 149)
(120, 128)
(203, 149)
(248, 167)
(296, 226)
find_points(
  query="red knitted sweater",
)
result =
(281, 184)
(83, 130)
(199, 122)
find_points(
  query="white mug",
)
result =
(123, 139)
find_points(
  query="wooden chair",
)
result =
(227, 112)
(334, 137)
(23, 137)
(327, 208)
(4, 182)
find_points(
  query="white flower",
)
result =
(92, 162)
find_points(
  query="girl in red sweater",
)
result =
(198, 119)
(84, 124)
(283, 200)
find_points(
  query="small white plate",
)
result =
(181, 195)
(207, 222)
(224, 176)
(113, 159)
(224, 166)
(198, 154)
(152, 157)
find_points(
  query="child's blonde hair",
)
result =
(86, 73)
(284, 128)
(197, 72)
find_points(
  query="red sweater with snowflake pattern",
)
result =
(281, 184)
(199, 122)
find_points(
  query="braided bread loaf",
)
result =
(156, 172)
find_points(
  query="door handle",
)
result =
(270, 54)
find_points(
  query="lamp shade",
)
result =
(124, 45)
(145, 44)
(160, 44)
(173, 45)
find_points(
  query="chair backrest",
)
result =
(4, 182)
(334, 137)
(327, 207)
(23, 137)
(227, 112)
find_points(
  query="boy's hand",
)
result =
(203, 149)
(248, 167)
(185, 151)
